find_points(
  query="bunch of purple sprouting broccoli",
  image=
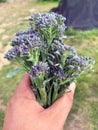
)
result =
(41, 51)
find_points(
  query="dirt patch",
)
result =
(5, 37)
(32, 10)
(93, 99)
(5, 25)
(0, 45)
(78, 122)
(2, 30)
(2, 60)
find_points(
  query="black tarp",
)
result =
(80, 14)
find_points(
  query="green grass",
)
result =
(92, 114)
(86, 96)
(1, 118)
(86, 43)
(8, 85)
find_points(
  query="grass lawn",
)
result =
(84, 114)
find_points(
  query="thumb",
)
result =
(61, 108)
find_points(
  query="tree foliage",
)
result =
(1, 1)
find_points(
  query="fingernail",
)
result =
(67, 90)
(72, 87)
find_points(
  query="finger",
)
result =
(72, 87)
(61, 108)
(24, 89)
(25, 82)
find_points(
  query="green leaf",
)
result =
(14, 72)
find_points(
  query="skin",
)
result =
(25, 113)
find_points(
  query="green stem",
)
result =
(43, 96)
(49, 96)
(23, 65)
(39, 98)
(55, 94)
(61, 93)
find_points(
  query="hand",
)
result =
(25, 113)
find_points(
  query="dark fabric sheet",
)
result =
(80, 14)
